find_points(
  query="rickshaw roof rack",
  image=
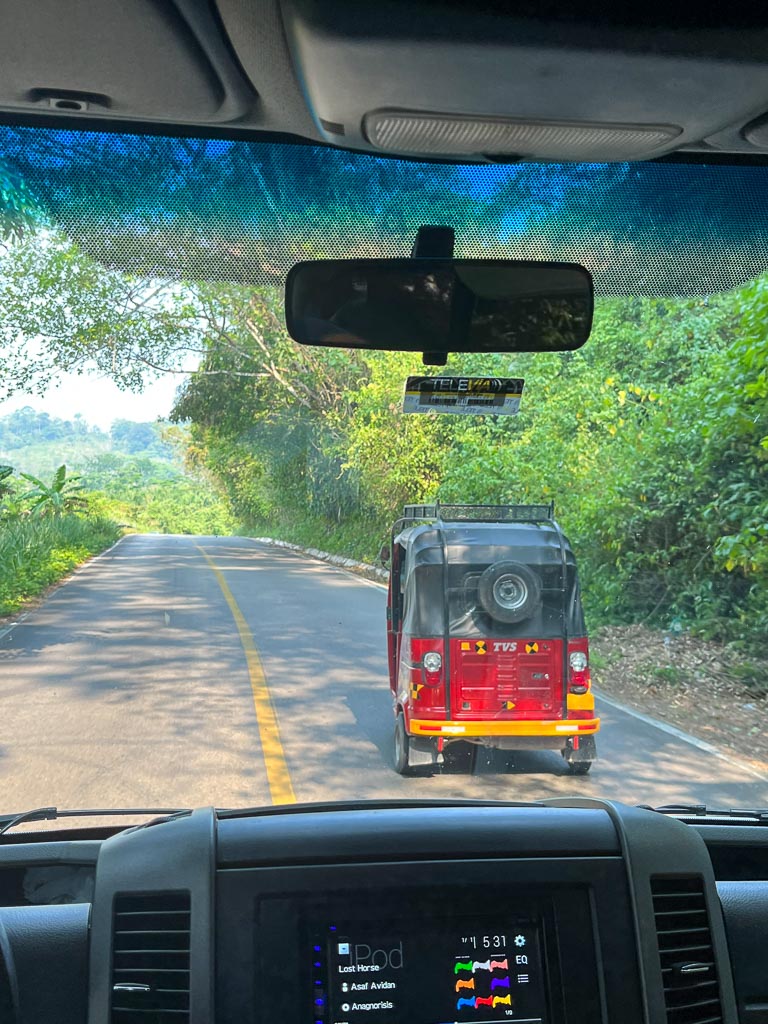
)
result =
(480, 513)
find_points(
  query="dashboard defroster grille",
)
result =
(150, 958)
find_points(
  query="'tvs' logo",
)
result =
(506, 645)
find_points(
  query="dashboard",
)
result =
(428, 914)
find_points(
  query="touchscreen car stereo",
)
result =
(466, 970)
(423, 943)
(489, 941)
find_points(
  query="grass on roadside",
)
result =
(35, 553)
(354, 538)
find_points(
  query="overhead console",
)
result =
(553, 83)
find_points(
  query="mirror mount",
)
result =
(435, 241)
(434, 358)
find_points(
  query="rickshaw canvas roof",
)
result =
(474, 543)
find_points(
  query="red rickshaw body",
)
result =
(486, 633)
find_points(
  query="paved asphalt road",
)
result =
(146, 680)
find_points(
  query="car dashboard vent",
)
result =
(150, 958)
(688, 968)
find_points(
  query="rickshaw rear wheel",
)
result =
(587, 751)
(402, 748)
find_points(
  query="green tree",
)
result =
(134, 438)
(19, 212)
(259, 399)
(82, 316)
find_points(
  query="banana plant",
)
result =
(54, 499)
(6, 487)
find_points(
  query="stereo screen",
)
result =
(452, 974)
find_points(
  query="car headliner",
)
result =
(315, 71)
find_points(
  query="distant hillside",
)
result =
(34, 442)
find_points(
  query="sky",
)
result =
(99, 400)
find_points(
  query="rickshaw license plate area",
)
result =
(522, 676)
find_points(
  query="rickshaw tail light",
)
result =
(427, 667)
(432, 662)
(579, 678)
(578, 661)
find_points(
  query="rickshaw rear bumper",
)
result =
(554, 731)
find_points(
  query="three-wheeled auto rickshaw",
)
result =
(486, 634)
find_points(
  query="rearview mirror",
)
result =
(437, 306)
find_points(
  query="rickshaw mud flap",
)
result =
(422, 752)
(423, 744)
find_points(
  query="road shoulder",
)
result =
(687, 683)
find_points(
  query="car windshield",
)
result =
(238, 571)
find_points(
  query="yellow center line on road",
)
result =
(278, 777)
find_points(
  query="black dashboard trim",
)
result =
(436, 833)
(745, 907)
(47, 955)
(204, 852)
(67, 852)
(654, 844)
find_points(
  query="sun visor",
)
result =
(126, 60)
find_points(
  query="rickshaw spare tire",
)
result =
(509, 591)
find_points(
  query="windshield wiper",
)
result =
(9, 821)
(748, 815)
